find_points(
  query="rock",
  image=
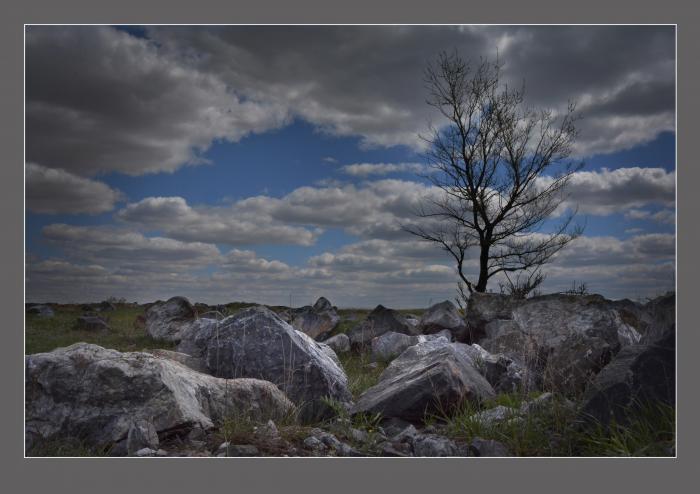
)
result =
(316, 321)
(483, 308)
(255, 342)
(106, 306)
(146, 452)
(639, 374)
(488, 447)
(323, 305)
(660, 317)
(91, 323)
(381, 320)
(314, 443)
(494, 416)
(187, 360)
(346, 450)
(426, 378)
(502, 372)
(444, 316)
(394, 425)
(167, 320)
(562, 339)
(328, 351)
(41, 310)
(87, 392)
(390, 345)
(142, 434)
(432, 445)
(387, 448)
(340, 343)
(407, 435)
(237, 450)
(268, 432)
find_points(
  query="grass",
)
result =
(555, 430)
(361, 375)
(46, 334)
(64, 447)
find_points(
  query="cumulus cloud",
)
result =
(225, 225)
(605, 192)
(665, 216)
(55, 191)
(99, 99)
(367, 169)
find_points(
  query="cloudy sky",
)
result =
(254, 163)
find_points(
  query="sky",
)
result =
(278, 163)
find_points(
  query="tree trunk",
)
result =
(483, 268)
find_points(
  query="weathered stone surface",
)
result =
(563, 339)
(187, 360)
(660, 317)
(483, 308)
(425, 378)
(167, 320)
(255, 342)
(142, 434)
(88, 392)
(444, 316)
(41, 310)
(340, 343)
(316, 320)
(381, 320)
(639, 374)
(390, 344)
(91, 323)
(496, 415)
(237, 450)
(488, 447)
(501, 371)
(432, 445)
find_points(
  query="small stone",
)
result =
(145, 452)
(488, 447)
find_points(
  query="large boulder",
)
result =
(255, 342)
(381, 320)
(107, 398)
(390, 345)
(567, 339)
(166, 321)
(430, 377)
(443, 316)
(502, 372)
(639, 375)
(317, 320)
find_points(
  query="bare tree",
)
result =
(502, 169)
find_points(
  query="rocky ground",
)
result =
(553, 375)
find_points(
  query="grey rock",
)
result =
(425, 378)
(92, 323)
(187, 360)
(488, 447)
(146, 452)
(638, 375)
(327, 350)
(502, 372)
(340, 343)
(387, 448)
(268, 431)
(444, 316)
(314, 443)
(390, 344)
(142, 434)
(167, 320)
(381, 320)
(255, 342)
(41, 310)
(408, 435)
(358, 435)
(495, 416)
(563, 339)
(317, 320)
(432, 445)
(346, 450)
(88, 392)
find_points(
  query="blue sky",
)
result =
(201, 162)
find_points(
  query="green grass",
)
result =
(46, 334)
(555, 430)
(360, 375)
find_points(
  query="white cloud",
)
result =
(367, 169)
(55, 191)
